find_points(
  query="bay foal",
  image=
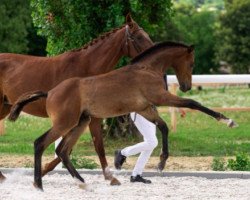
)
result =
(133, 88)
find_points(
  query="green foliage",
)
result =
(86, 163)
(241, 163)
(15, 20)
(196, 27)
(17, 33)
(70, 24)
(234, 35)
(218, 164)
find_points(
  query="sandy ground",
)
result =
(173, 164)
(19, 186)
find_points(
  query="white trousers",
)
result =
(148, 131)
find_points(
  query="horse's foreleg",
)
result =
(4, 107)
(97, 136)
(4, 111)
(175, 101)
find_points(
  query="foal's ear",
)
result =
(191, 48)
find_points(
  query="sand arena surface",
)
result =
(19, 186)
(181, 163)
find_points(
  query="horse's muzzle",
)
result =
(185, 87)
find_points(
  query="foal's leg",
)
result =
(171, 100)
(40, 145)
(59, 129)
(97, 136)
(152, 115)
(65, 147)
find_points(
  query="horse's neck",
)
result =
(102, 56)
(162, 61)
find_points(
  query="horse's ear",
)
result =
(191, 48)
(129, 21)
(129, 18)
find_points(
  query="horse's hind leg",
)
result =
(66, 145)
(50, 166)
(96, 132)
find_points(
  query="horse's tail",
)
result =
(23, 101)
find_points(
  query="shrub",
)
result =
(241, 163)
(85, 163)
(218, 164)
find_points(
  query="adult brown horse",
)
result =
(137, 88)
(21, 73)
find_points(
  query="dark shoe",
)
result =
(139, 178)
(119, 159)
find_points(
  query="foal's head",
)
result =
(136, 39)
(183, 67)
(167, 54)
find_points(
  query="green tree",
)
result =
(234, 35)
(15, 20)
(195, 27)
(70, 24)
(17, 33)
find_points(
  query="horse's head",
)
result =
(183, 67)
(136, 39)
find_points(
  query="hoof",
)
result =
(108, 174)
(114, 181)
(2, 178)
(229, 122)
(161, 166)
(39, 188)
(232, 124)
(82, 186)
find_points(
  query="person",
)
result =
(145, 148)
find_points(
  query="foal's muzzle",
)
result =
(185, 87)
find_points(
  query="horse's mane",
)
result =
(156, 47)
(101, 37)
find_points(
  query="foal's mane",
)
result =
(156, 47)
(101, 37)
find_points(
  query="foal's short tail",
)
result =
(23, 101)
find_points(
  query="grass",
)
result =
(197, 134)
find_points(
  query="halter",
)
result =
(129, 36)
(134, 41)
